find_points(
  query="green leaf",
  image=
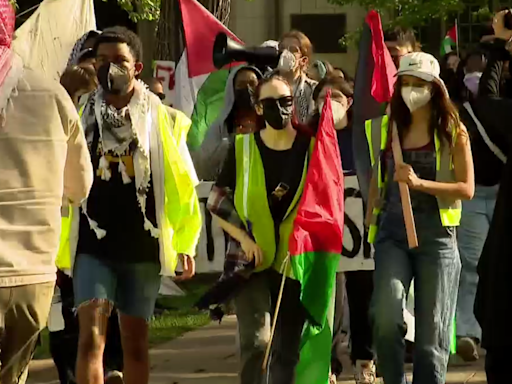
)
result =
(411, 13)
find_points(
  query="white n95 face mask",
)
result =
(339, 114)
(416, 97)
(287, 62)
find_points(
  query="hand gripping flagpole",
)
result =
(405, 196)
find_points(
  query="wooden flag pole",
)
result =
(405, 196)
(276, 313)
(457, 36)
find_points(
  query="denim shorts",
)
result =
(131, 287)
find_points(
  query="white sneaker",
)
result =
(114, 377)
(365, 372)
(332, 379)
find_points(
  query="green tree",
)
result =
(141, 9)
(150, 9)
(411, 13)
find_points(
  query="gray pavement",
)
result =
(208, 356)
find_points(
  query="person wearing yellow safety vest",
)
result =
(438, 169)
(141, 214)
(262, 180)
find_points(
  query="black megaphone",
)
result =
(227, 51)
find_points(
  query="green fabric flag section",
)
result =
(314, 351)
(446, 46)
(317, 271)
(209, 104)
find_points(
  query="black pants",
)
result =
(287, 338)
(359, 286)
(64, 344)
(496, 365)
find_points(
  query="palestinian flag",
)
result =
(315, 250)
(375, 80)
(451, 39)
(199, 85)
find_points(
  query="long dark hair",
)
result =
(334, 82)
(444, 116)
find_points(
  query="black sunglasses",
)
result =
(285, 101)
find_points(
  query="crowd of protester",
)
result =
(130, 209)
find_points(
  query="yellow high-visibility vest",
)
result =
(450, 210)
(180, 222)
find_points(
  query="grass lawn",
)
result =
(176, 318)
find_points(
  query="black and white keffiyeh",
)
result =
(118, 129)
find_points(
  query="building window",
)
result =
(471, 29)
(315, 26)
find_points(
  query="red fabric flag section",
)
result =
(384, 74)
(201, 28)
(318, 226)
(452, 34)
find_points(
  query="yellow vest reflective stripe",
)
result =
(63, 260)
(181, 222)
(251, 204)
(450, 210)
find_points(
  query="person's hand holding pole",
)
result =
(405, 196)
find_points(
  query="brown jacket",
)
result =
(43, 159)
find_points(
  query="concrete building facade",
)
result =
(259, 20)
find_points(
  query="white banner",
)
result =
(211, 250)
(357, 254)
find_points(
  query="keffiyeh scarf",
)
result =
(303, 98)
(118, 129)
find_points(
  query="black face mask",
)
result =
(114, 79)
(243, 99)
(278, 112)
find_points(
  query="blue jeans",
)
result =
(476, 220)
(435, 268)
(131, 287)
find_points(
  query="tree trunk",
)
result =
(168, 35)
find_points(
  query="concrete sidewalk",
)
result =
(208, 356)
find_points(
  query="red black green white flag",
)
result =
(450, 40)
(199, 85)
(315, 249)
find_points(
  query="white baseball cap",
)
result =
(420, 64)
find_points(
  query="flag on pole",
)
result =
(315, 250)
(450, 40)
(199, 86)
(375, 80)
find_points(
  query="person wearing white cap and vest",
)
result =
(438, 169)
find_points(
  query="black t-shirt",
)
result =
(114, 206)
(283, 173)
